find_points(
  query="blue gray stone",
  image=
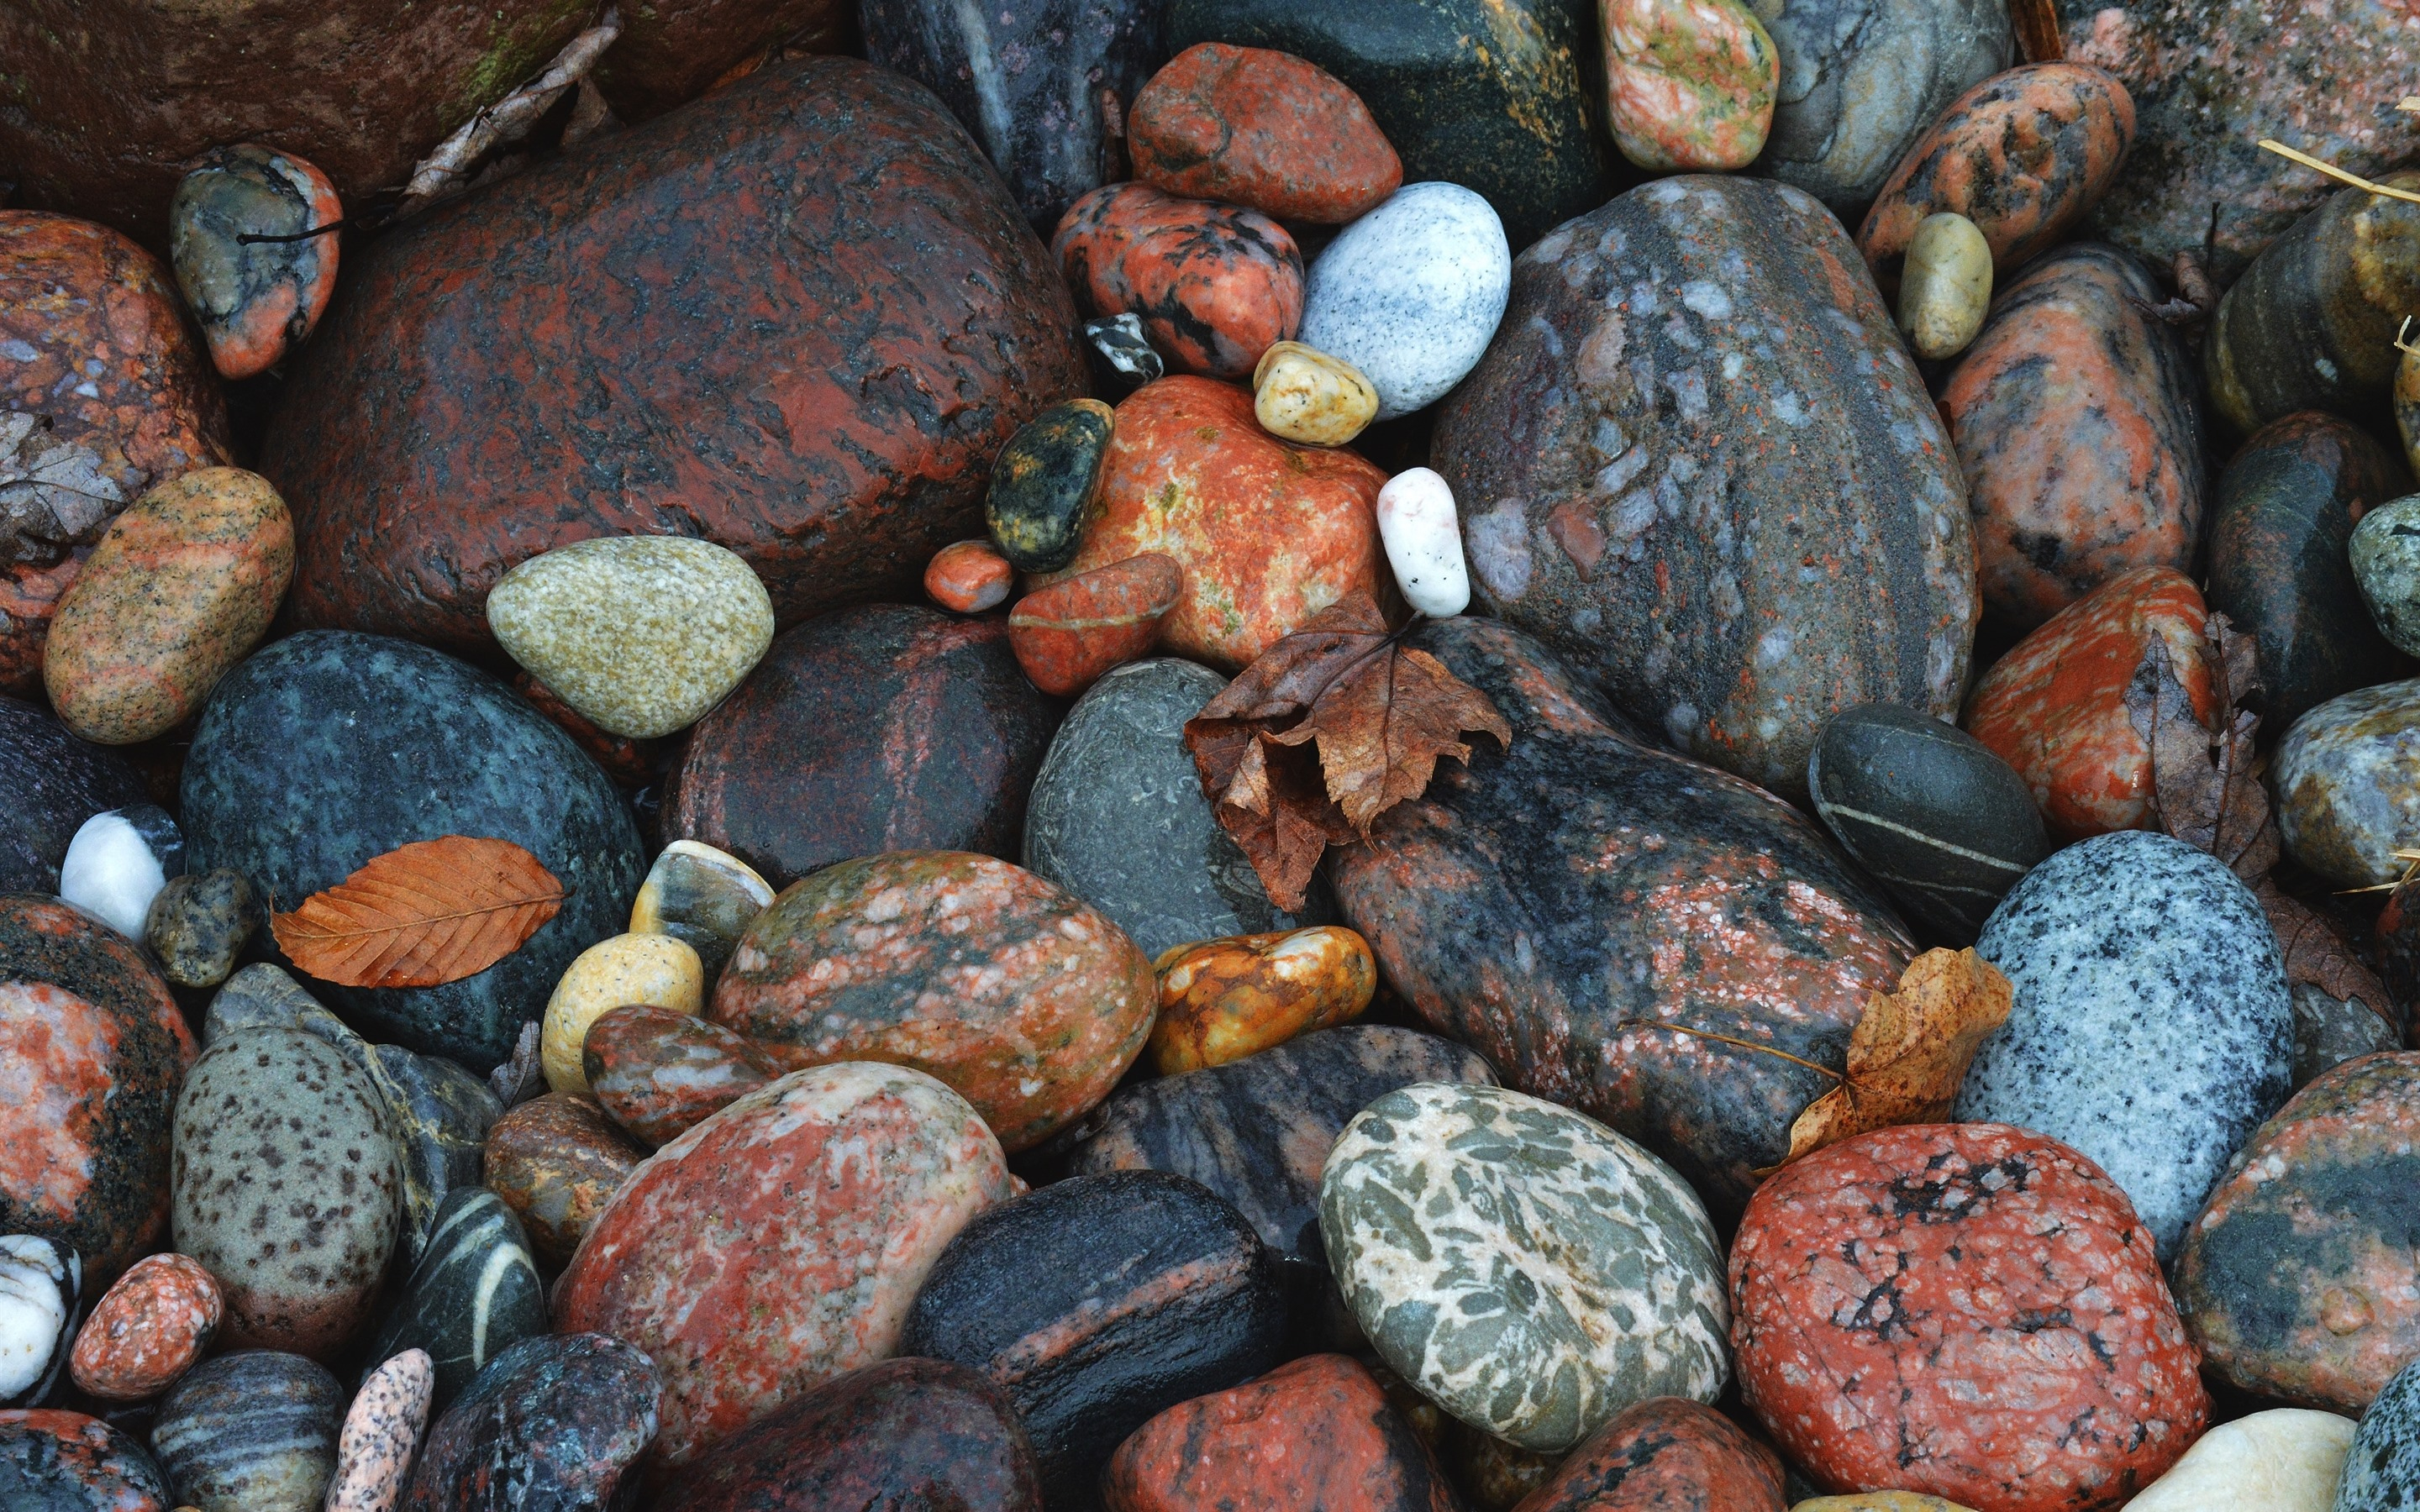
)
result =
(2151, 1028)
(53, 782)
(250, 1432)
(474, 1294)
(1411, 292)
(554, 1424)
(2348, 782)
(2382, 1473)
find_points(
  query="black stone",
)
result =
(440, 1115)
(330, 748)
(554, 1424)
(1123, 358)
(198, 923)
(257, 1429)
(1099, 1302)
(474, 1294)
(1045, 484)
(49, 783)
(1942, 823)
(73, 1464)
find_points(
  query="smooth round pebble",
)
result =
(474, 1294)
(1410, 293)
(1690, 84)
(1302, 395)
(556, 1161)
(254, 1431)
(658, 1074)
(702, 896)
(151, 1327)
(256, 300)
(381, 1430)
(1423, 540)
(117, 863)
(1067, 634)
(656, 969)
(969, 577)
(2285, 1460)
(2347, 784)
(2386, 564)
(40, 1285)
(1220, 1000)
(1946, 289)
(1045, 484)
(197, 923)
(2382, 1470)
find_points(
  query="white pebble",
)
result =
(1411, 293)
(114, 867)
(1417, 521)
(2284, 1460)
(40, 1280)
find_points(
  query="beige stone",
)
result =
(1946, 288)
(656, 969)
(2284, 1460)
(1302, 395)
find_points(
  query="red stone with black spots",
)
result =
(1667, 1454)
(797, 319)
(1215, 285)
(1968, 1310)
(1314, 1435)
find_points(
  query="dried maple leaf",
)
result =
(422, 915)
(2316, 954)
(1909, 1051)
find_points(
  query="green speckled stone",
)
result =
(2385, 554)
(1045, 483)
(2347, 784)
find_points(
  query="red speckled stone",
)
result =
(1315, 1435)
(659, 1073)
(1216, 286)
(1667, 1454)
(781, 1241)
(1969, 1310)
(717, 330)
(55, 1459)
(1267, 532)
(1264, 130)
(968, 576)
(2054, 707)
(1065, 635)
(150, 1329)
(556, 1161)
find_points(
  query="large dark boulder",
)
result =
(49, 783)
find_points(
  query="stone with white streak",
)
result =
(39, 1284)
(1411, 293)
(1423, 540)
(474, 1294)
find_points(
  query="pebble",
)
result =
(657, 969)
(2407, 400)
(1067, 634)
(197, 923)
(2347, 778)
(1046, 484)
(702, 897)
(474, 1294)
(1942, 823)
(640, 633)
(1897, 1288)
(119, 861)
(559, 1421)
(2329, 1031)
(968, 576)
(1125, 358)
(1264, 130)
(41, 1281)
(152, 1325)
(1213, 284)
(658, 1074)
(1021, 997)
(2385, 548)
(1946, 288)
(256, 300)
(1097, 1302)
(1526, 1267)
(59, 1462)
(2383, 1469)
(1302, 395)
(1423, 541)
(556, 1161)
(2284, 1459)
(1665, 1452)
(1492, 1474)
(1410, 293)
(440, 1116)
(254, 1431)
(1690, 84)
(300, 1253)
(1220, 1000)
(180, 588)
(780, 1242)
(381, 1434)
(1877, 1501)
(1860, 83)
(55, 782)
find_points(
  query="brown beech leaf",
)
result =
(422, 915)
(2315, 955)
(1910, 1050)
(2206, 787)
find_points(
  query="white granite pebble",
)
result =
(1423, 540)
(1411, 293)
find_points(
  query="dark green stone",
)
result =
(1503, 97)
(1045, 484)
(474, 1294)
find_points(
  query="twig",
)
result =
(2333, 172)
(510, 119)
(1725, 1038)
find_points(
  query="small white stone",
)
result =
(114, 867)
(1411, 293)
(2284, 1460)
(40, 1280)
(1424, 537)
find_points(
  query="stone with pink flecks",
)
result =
(381, 1430)
(148, 1330)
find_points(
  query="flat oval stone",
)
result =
(1267, 532)
(1410, 293)
(59, 1462)
(1118, 818)
(1325, 1418)
(556, 1161)
(700, 401)
(381, 1434)
(1264, 130)
(2076, 419)
(1945, 288)
(1220, 1000)
(2382, 1470)
(1046, 484)
(151, 1327)
(300, 1252)
(2298, 1280)
(968, 576)
(1067, 634)
(701, 896)
(474, 1294)
(1942, 823)
(2132, 952)
(440, 1116)
(1860, 81)
(1690, 84)
(2347, 784)
(1021, 997)
(2284, 1459)
(41, 1283)
(102, 1048)
(640, 633)
(1215, 285)
(256, 300)
(871, 730)
(1667, 1451)
(778, 1243)
(1945, 1261)
(253, 1431)
(328, 749)
(556, 1421)
(2288, 505)
(659, 1073)
(55, 781)
(1300, 394)
(1096, 1302)
(902, 1433)
(1731, 624)
(656, 969)
(180, 589)
(1527, 1269)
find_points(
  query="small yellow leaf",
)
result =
(1910, 1050)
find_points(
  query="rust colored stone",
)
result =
(2024, 155)
(713, 332)
(1215, 285)
(674, 51)
(1968, 1310)
(630, 762)
(1314, 1435)
(1220, 1000)
(1066, 635)
(1267, 532)
(2076, 419)
(2054, 707)
(660, 1073)
(1667, 1454)
(1260, 128)
(968, 576)
(152, 1327)
(556, 1161)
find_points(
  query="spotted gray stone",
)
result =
(2382, 1473)
(1527, 1269)
(2348, 784)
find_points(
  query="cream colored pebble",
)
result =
(1945, 289)
(1302, 395)
(656, 969)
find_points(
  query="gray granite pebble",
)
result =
(2348, 784)
(2385, 551)
(2382, 1473)
(1862, 79)
(1411, 292)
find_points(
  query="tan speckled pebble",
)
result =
(1303, 394)
(627, 969)
(382, 1431)
(1877, 1501)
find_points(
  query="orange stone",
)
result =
(1267, 532)
(1215, 285)
(2054, 707)
(151, 1328)
(1067, 635)
(968, 576)
(1264, 130)
(1220, 1000)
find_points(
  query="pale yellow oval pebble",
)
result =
(656, 969)
(1302, 395)
(1946, 287)
(2286, 1459)
(1879, 1501)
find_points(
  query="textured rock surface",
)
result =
(1215, 285)
(2382, 1471)
(675, 50)
(474, 1294)
(1410, 293)
(59, 1461)
(1045, 483)
(1220, 1000)
(56, 781)
(2347, 784)
(381, 1434)
(1689, 83)
(556, 1161)
(1527, 1269)
(2281, 1460)
(251, 1432)
(239, 238)
(828, 416)
(150, 1328)
(440, 1116)
(2385, 557)
(1666, 1452)
(556, 1421)
(1264, 130)
(1628, 502)
(1968, 1310)
(659, 1073)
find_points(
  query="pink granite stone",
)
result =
(382, 1431)
(148, 1330)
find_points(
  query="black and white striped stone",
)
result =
(41, 1281)
(474, 1294)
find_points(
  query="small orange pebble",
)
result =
(151, 1328)
(1065, 635)
(1220, 1000)
(968, 576)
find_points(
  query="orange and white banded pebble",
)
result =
(148, 1330)
(1220, 1000)
(1065, 635)
(968, 576)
